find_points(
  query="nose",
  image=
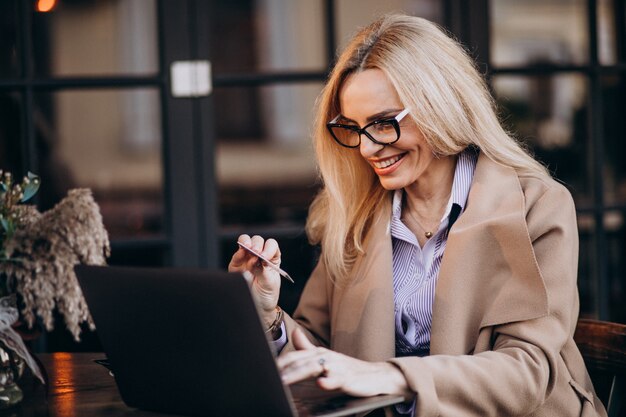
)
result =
(368, 148)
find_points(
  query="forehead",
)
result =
(365, 93)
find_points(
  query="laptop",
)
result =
(190, 342)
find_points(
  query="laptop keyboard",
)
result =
(318, 407)
(310, 400)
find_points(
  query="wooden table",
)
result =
(78, 387)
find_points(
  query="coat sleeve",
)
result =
(312, 314)
(519, 372)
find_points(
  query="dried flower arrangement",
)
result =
(38, 252)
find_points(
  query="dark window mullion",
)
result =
(204, 178)
(447, 14)
(65, 83)
(554, 69)
(97, 82)
(542, 69)
(165, 143)
(29, 149)
(331, 33)
(177, 157)
(254, 79)
(455, 15)
(596, 137)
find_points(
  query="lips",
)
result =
(385, 166)
(387, 162)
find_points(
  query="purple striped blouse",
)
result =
(415, 269)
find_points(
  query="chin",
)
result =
(391, 184)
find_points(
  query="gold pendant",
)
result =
(428, 235)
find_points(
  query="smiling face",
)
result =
(369, 95)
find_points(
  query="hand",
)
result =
(264, 281)
(337, 371)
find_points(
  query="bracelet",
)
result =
(277, 321)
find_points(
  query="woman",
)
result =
(416, 165)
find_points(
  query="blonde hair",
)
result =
(449, 102)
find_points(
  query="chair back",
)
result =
(603, 347)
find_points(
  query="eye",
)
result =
(383, 127)
(348, 124)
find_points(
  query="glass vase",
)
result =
(11, 369)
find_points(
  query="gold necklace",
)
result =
(428, 234)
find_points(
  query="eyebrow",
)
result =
(373, 117)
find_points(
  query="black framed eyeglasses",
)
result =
(382, 132)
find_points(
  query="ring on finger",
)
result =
(322, 362)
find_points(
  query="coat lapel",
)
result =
(489, 274)
(362, 317)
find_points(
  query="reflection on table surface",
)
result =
(77, 387)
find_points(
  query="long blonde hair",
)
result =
(449, 102)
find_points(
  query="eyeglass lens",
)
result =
(383, 132)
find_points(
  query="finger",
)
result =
(257, 243)
(271, 251)
(295, 357)
(237, 262)
(304, 368)
(243, 258)
(300, 341)
(245, 240)
(252, 263)
(239, 257)
(329, 381)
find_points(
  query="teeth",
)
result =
(387, 162)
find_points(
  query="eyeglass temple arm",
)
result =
(335, 119)
(401, 115)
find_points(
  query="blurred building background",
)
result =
(86, 100)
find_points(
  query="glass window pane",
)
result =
(265, 163)
(548, 113)
(353, 14)
(106, 37)
(11, 133)
(9, 56)
(607, 36)
(615, 228)
(534, 32)
(109, 141)
(266, 35)
(614, 123)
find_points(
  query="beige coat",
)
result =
(505, 308)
